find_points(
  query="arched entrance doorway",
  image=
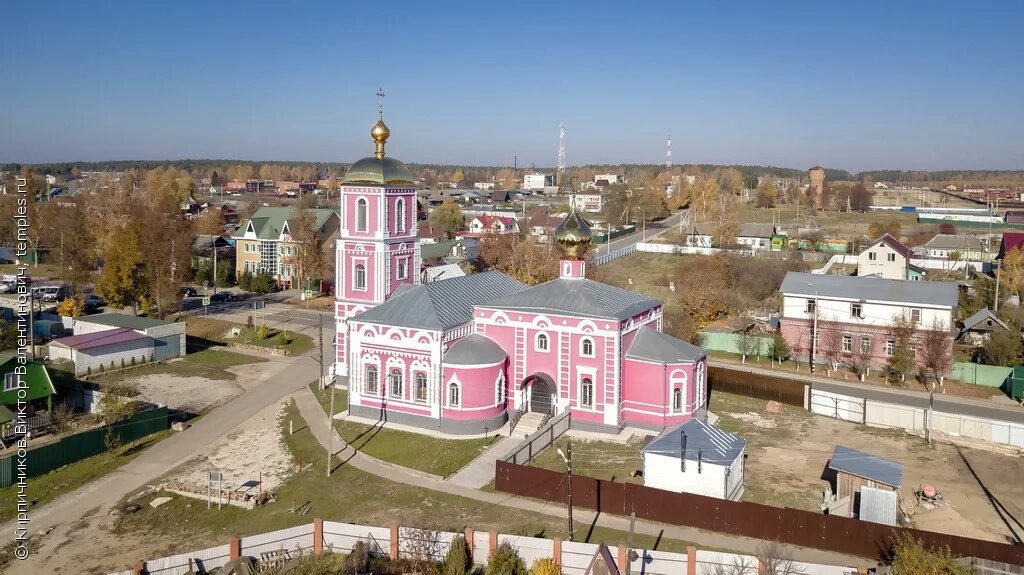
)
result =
(540, 394)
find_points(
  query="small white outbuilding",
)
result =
(696, 457)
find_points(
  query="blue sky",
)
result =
(855, 85)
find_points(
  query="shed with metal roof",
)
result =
(168, 336)
(111, 348)
(856, 469)
(696, 457)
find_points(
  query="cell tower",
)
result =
(668, 153)
(561, 151)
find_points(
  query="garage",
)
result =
(168, 337)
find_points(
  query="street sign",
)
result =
(206, 300)
(309, 294)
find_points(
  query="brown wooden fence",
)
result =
(758, 386)
(792, 526)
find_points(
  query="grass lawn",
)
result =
(434, 455)
(348, 495)
(214, 331)
(209, 363)
(44, 488)
(601, 459)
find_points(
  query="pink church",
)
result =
(459, 355)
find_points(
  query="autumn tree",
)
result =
(724, 218)
(174, 182)
(447, 217)
(1012, 271)
(166, 243)
(701, 286)
(210, 222)
(71, 307)
(830, 339)
(947, 228)
(730, 180)
(309, 258)
(879, 228)
(779, 350)
(912, 557)
(525, 259)
(1003, 348)
(507, 179)
(122, 282)
(902, 359)
(810, 199)
(767, 193)
(936, 349)
(861, 198)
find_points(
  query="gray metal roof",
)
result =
(942, 294)
(443, 304)
(747, 230)
(474, 349)
(878, 505)
(652, 345)
(955, 242)
(980, 316)
(579, 298)
(865, 465)
(123, 320)
(703, 440)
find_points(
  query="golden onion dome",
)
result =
(574, 235)
(380, 132)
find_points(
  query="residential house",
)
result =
(448, 251)
(887, 258)
(588, 202)
(168, 336)
(36, 381)
(484, 185)
(502, 196)
(1010, 241)
(538, 181)
(751, 235)
(542, 224)
(964, 246)
(605, 180)
(856, 315)
(977, 328)
(441, 272)
(203, 250)
(696, 457)
(493, 225)
(264, 243)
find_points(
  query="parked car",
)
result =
(188, 291)
(54, 293)
(94, 301)
(220, 297)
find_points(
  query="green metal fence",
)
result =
(980, 374)
(73, 448)
(730, 343)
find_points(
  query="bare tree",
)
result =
(770, 559)
(901, 360)
(749, 343)
(831, 339)
(862, 360)
(936, 352)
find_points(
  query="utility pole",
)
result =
(630, 554)
(214, 265)
(814, 329)
(567, 456)
(995, 305)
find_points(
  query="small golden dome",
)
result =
(574, 235)
(380, 132)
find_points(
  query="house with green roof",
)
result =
(36, 380)
(264, 243)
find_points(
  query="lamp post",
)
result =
(814, 328)
(567, 456)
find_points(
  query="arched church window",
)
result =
(453, 394)
(421, 387)
(400, 215)
(542, 342)
(371, 380)
(359, 277)
(677, 400)
(502, 391)
(396, 383)
(587, 392)
(361, 215)
(587, 347)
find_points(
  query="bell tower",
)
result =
(377, 249)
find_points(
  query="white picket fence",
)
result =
(342, 537)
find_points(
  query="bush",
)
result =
(245, 281)
(358, 559)
(505, 561)
(133, 360)
(458, 560)
(911, 557)
(545, 566)
(262, 331)
(122, 363)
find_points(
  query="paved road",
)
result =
(654, 229)
(94, 500)
(313, 414)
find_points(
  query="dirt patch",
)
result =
(193, 394)
(787, 455)
(254, 453)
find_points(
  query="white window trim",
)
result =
(402, 264)
(10, 381)
(847, 339)
(366, 228)
(448, 394)
(536, 342)
(366, 367)
(391, 394)
(680, 378)
(356, 262)
(593, 393)
(499, 385)
(400, 219)
(593, 347)
(672, 400)
(581, 373)
(890, 348)
(416, 383)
